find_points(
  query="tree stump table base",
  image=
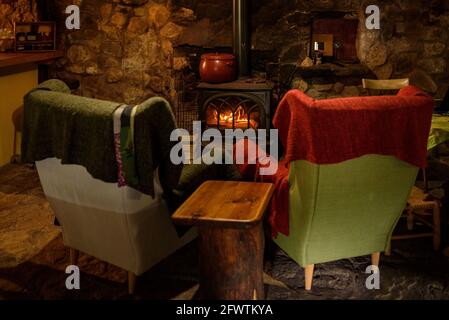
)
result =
(229, 263)
(231, 237)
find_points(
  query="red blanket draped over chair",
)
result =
(336, 130)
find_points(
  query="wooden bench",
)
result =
(231, 239)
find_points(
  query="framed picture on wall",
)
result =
(344, 28)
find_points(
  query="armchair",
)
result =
(353, 163)
(120, 226)
(70, 138)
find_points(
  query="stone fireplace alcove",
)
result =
(281, 52)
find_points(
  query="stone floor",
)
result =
(33, 259)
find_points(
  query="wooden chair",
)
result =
(17, 118)
(388, 85)
(393, 84)
(425, 211)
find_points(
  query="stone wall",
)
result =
(125, 48)
(412, 42)
(16, 11)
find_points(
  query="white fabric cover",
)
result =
(118, 225)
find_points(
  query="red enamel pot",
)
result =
(218, 68)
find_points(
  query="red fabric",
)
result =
(336, 130)
(280, 200)
(250, 171)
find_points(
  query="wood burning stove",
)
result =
(242, 104)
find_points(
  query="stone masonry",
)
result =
(125, 48)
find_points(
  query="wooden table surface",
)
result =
(226, 204)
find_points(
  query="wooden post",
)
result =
(231, 263)
(436, 227)
(426, 181)
(131, 282)
(74, 254)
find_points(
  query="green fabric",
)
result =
(193, 176)
(439, 132)
(345, 210)
(79, 130)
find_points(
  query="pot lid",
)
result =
(218, 56)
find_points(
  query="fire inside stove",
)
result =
(233, 113)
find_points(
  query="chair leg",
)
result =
(436, 227)
(131, 282)
(388, 250)
(410, 219)
(13, 157)
(308, 272)
(375, 259)
(74, 254)
(426, 181)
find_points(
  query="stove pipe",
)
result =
(241, 36)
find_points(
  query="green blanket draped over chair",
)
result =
(79, 130)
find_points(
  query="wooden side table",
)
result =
(231, 239)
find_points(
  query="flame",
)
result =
(226, 118)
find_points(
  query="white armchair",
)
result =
(118, 225)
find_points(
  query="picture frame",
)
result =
(326, 41)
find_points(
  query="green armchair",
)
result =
(344, 210)
(353, 163)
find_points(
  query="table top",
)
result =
(226, 204)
